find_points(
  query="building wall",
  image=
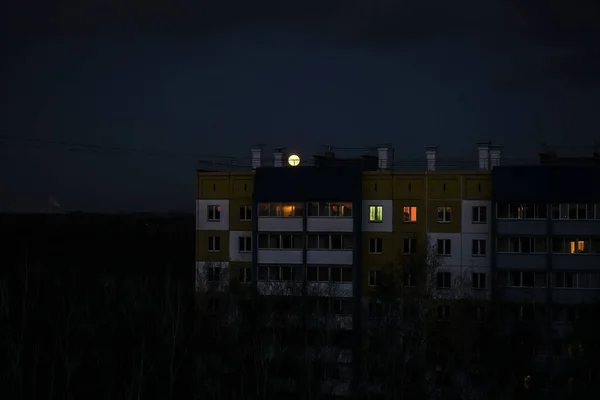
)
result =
(422, 191)
(526, 210)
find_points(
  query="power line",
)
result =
(243, 161)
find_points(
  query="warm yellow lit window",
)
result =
(287, 210)
(410, 214)
(577, 246)
(375, 213)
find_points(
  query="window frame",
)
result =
(373, 278)
(245, 210)
(246, 272)
(406, 216)
(412, 246)
(479, 211)
(214, 244)
(215, 210)
(377, 244)
(375, 212)
(476, 281)
(476, 245)
(441, 283)
(247, 244)
(446, 213)
(449, 247)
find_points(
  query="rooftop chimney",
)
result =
(489, 155)
(483, 155)
(383, 157)
(495, 153)
(278, 158)
(430, 154)
(256, 157)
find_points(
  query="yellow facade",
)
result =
(213, 186)
(477, 187)
(235, 222)
(416, 198)
(409, 186)
(415, 210)
(389, 249)
(377, 185)
(202, 246)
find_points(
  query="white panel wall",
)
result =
(388, 211)
(201, 278)
(467, 249)
(455, 259)
(479, 293)
(329, 224)
(234, 251)
(333, 257)
(467, 216)
(279, 224)
(280, 256)
(202, 222)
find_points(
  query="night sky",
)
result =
(157, 86)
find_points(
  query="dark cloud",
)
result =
(530, 30)
(553, 39)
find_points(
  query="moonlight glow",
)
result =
(293, 160)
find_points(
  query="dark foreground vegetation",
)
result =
(86, 316)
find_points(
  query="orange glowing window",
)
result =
(577, 246)
(287, 210)
(410, 214)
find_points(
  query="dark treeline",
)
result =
(112, 313)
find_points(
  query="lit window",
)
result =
(375, 213)
(284, 210)
(577, 247)
(410, 214)
(280, 210)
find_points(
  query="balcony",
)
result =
(330, 289)
(575, 296)
(329, 257)
(332, 224)
(575, 227)
(283, 256)
(521, 227)
(522, 295)
(279, 224)
(589, 261)
(522, 261)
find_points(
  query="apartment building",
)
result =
(546, 252)
(339, 221)
(326, 229)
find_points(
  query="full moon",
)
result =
(294, 160)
